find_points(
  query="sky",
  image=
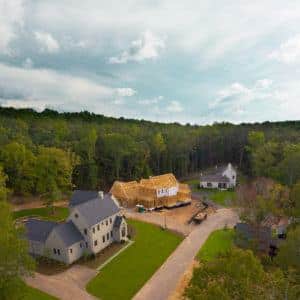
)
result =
(194, 62)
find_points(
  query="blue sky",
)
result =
(168, 60)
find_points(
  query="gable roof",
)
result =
(96, 210)
(161, 181)
(38, 230)
(216, 174)
(68, 233)
(79, 197)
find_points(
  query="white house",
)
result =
(220, 178)
(93, 224)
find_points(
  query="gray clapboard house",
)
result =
(94, 223)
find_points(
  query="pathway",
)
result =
(67, 285)
(162, 284)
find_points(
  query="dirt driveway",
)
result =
(163, 283)
(67, 285)
(174, 219)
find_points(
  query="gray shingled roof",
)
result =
(95, 210)
(80, 197)
(118, 221)
(215, 178)
(68, 233)
(38, 230)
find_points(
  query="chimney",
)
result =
(101, 195)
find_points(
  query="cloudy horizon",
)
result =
(194, 62)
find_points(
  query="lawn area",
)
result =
(60, 213)
(224, 198)
(218, 242)
(129, 271)
(34, 294)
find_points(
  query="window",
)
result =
(107, 236)
(209, 184)
(95, 243)
(54, 250)
(93, 229)
(76, 215)
(80, 245)
(111, 234)
(58, 251)
(110, 220)
(85, 231)
(102, 223)
(233, 177)
(98, 227)
(86, 245)
(71, 250)
(103, 239)
(106, 222)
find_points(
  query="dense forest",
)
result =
(51, 153)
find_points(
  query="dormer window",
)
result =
(93, 229)
(85, 231)
(76, 215)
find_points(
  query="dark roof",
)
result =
(215, 178)
(247, 233)
(38, 230)
(118, 221)
(95, 210)
(79, 197)
(68, 233)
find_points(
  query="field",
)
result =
(217, 243)
(223, 198)
(45, 213)
(128, 272)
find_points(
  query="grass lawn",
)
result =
(34, 294)
(218, 242)
(222, 197)
(60, 213)
(129, 271)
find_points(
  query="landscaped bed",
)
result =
(128, 272)
(217, 243)
(45, 213)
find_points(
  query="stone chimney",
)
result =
(101, 195)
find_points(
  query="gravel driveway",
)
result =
(163, 283)
(67, 285)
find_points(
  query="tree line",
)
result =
(51, 153)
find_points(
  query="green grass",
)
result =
(60, 213)
(222, 197)
(34, 294)
(217, 243)
(129, 271)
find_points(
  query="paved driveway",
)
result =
(67, 285)
(164, 281)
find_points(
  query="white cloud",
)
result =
(46, 42)
(11, 19)
(175, 107)
(125, 92)
(151, 101)
(288, 52)
(147, 47)
(45, 88)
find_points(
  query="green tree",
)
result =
(290, 166)
(235, 275)
(288, 259)
(15, 261)
(158, 147)
(19, 163)
(54, 173)
(3, 190)
(294, 207)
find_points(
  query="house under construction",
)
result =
(157, 191)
